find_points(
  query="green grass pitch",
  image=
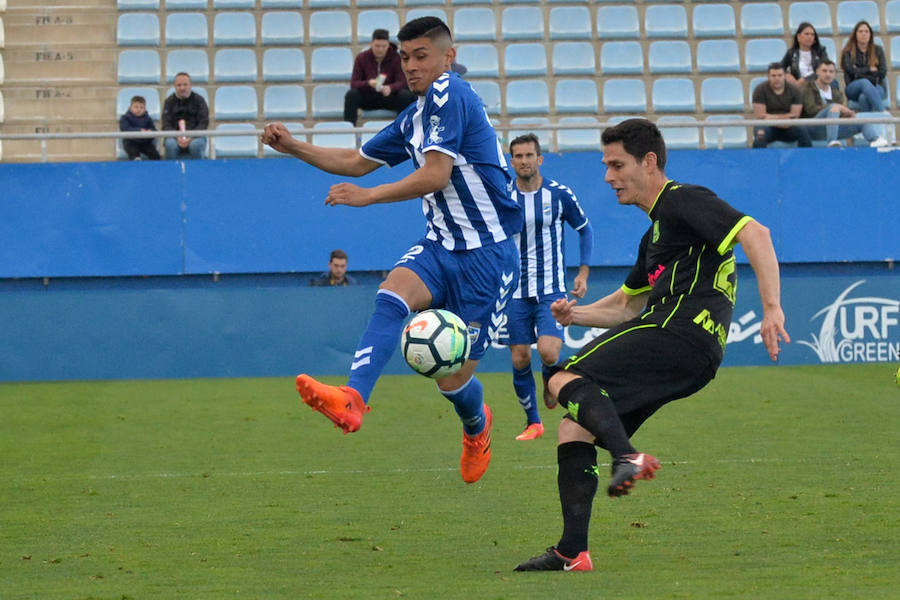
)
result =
(776, 483)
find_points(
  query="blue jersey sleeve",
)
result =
(444, 117)
(571, 210)
(388, 147)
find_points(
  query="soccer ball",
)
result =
(435, 343)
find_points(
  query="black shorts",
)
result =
(642, 367)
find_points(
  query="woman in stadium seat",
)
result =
(865, 69)
(801, 59)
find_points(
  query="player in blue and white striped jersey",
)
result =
(467, 262)
(547, 205)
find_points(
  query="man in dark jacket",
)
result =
(378, 80)
(185, 110)
(137, 119)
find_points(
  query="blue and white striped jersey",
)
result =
(541, 239)
(475, 209)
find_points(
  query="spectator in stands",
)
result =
(801, 60)
(378, 81)
(774, 99)
(137, 119)
(865, 68)
(336, 274)
(185, 110)
(821, 100)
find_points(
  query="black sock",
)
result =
(592, 408)
(577, 480)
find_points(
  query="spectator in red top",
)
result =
(378, 81)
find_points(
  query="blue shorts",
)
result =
(530, 318)
(474, 284)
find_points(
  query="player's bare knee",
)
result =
(570, 431)
(559, 380)
(521, 356)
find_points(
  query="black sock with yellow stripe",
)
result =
(593, 409)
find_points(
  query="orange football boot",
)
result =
(476, 454)
(342, 404)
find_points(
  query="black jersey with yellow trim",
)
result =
(685, 261)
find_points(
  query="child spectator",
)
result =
(137, 119)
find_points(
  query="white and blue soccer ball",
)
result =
(435, 343)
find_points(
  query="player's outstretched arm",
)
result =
(434, 175)
(339, 161)
(609, 311)
(757, 243)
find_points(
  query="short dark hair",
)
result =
(528, 138)
(826, 61)
(775, 66)
(639, 137)
(180, 73)
(430, 27)
(337, 254)
(138, 99)
(381, 34)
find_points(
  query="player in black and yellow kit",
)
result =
(667, 328)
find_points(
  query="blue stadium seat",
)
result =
(724, 137)
(574, 58)
(761, 18)
(570, 23)
(328, 100)
(150, 94)
(576, 96)
(718, 56)
(524, 59)
(281, 4)
(895, 52)
(330, 27)
(236, 102)
(139, 66)
(234, 4)
(314, 4)
(367, 3)
(669, 57)
(281, 27)
(234, 29)
(570, 140)
(665, 21)
(186, 29)
(186, 4)
(284, 102)
(618, 22)
(892, 16)
(137, 29)
(714, 20)
(489, 92)
(137, 4)
(624, 95)
(331, 64)
(752, 86)
(622, 58)
(193, 61)
(480, 59)
(817, 14)
(284, 64)
(380, 124)
(718, 94)
(832, 50)
(235, 65)
(527, 97)
(851, 12)
(679, 138)
(368, 21)
(416, 13)
(236, 146)
(674, 95)
(523, 23)
(334, 140)
(758, 54)
(520, 1)
(474, 24)
(545, 136)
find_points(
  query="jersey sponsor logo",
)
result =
(652, 277)
(655, 231)
(435, 129)
(704, 319)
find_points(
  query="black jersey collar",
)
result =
(658, 196)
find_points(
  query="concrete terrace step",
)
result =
(73, 150)
(62, 64)
(59, 103)
(70, 27)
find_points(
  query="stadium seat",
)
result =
(328, 100)
(679, 138)
(380, 124)
(718, 56)
(522, 23)
(368, 21)
(570, 23)
(817, 14)
(284, 64)
(574, 58)
(892, 16)
(714, 20)
(761, 18)
(331, 64)
(186, 29)
(674, 95)
(334, 140)
(192, 61)
(139, 66)
(665, 21)
(150, 94)
(330, 27)
(453, 2)
(851, 12)
(894, 52)
(545, 136)
(186, 5)
(520, 1)
(576, 96)
(367, 3)
(718, 94)
(132, 29)
(618, 22)
(524, 59)
(489, 92)
(416, 13)
(832, 50)
(137, 4)
(281, 28)
(284, 102)
(235, 65)
(282, 4)
(480, 59)
(570, 140)
(236, 102)
(474, 24)
(622, 58)
(724, 137)
(236, 146)
(315, 4)
(669, 57)
(234, 4)
(624, 95)
(234, 29)
(527, 97)
(758, 54)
